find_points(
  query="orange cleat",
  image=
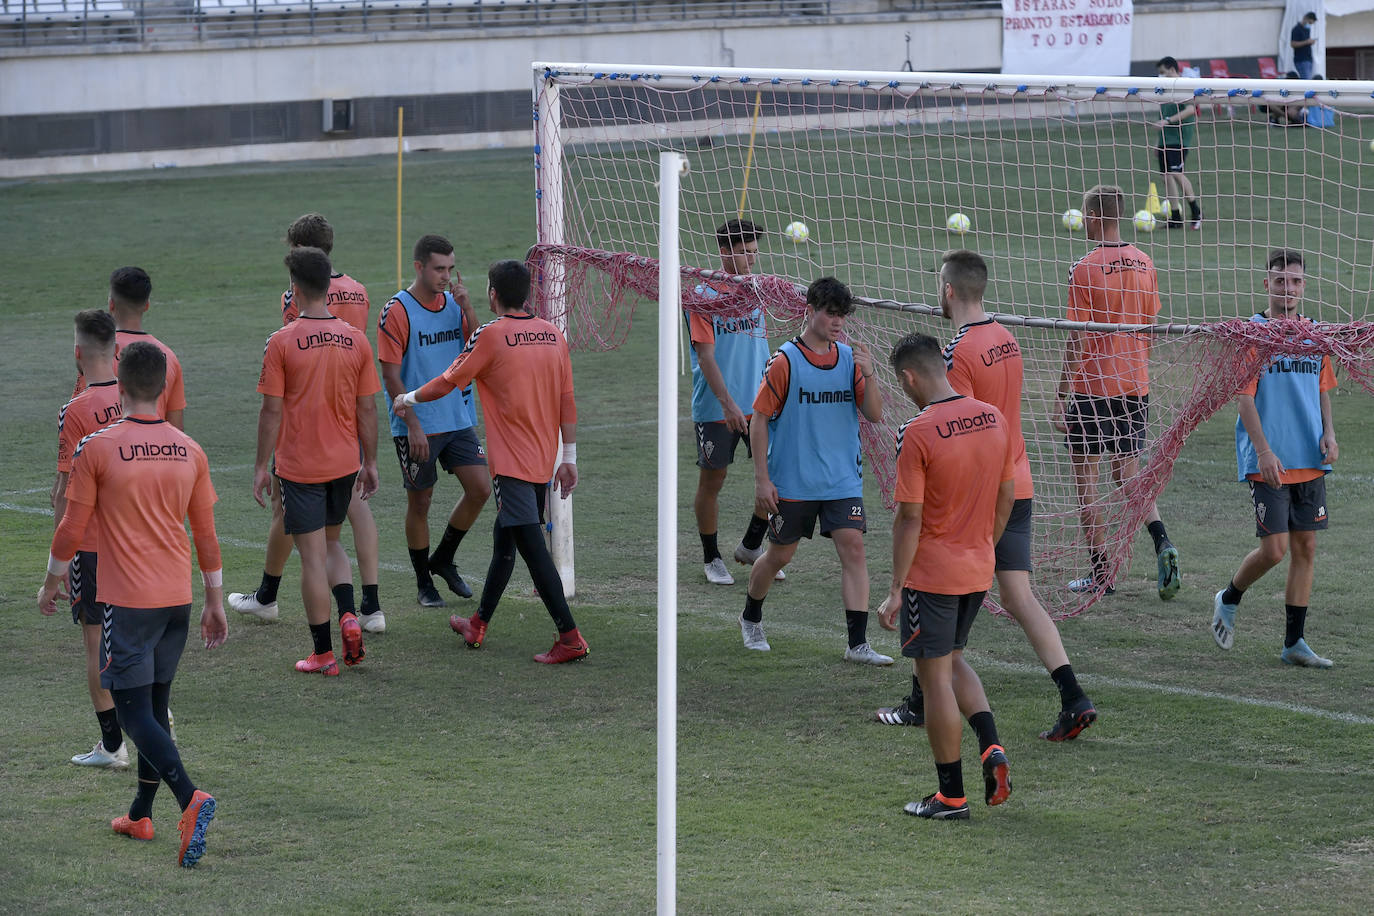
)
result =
(319, 664)
(570, 647)
(352, 639)
(194, 820)
(473, 629)
(141, 829)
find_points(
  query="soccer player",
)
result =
(983, 361)
(317, 387)
(139, 479)
(96, 407)
(521, 366)
(131, 290)
(347, 299)
(420, 332)
(728, 356)
(956, 485)
(807, 463)
(1285, 446)
(1104, 388)
(1177, 135)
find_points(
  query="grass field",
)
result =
(434, 779)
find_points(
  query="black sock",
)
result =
(419, 559)
(1195, 208)
(1157, 533)
(951, 776)
(319, 634)
(1295, 620)
(110, 735)
(498, 571)
(709, 550)
(529, 540)
(343, 597)
(448, 546)
(156, 752)
(1069, 691)
(753, 535)
(1099, 561)
(918, 699)
(147, 791)
(753, 608)
(857, 624)
(267, 591)
(371, 602)
(1232, 595)
(986, 729)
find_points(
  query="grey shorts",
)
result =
(1014, 546)
(716, 444)
(796, 518)
(141, 646)
(933, 626)
(518, 502)
(308, 507)
(453, 450)
(85, 609)
(1289, 507)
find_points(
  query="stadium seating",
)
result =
(1268, 69)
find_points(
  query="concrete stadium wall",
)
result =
(189, 103)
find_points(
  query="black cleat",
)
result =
(1071, 721)
(934, 807)
(429, 596)
(449, 573)
(901, 714)
(996, 776)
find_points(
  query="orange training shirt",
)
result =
(1114, 283)
(173, 395)
(777, 375)
(347, 299)
(96, 407)
(984, 362)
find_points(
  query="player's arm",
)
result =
(59, 498)
(565, 476)
(177, 418)
(871, 400)
(906, 538)
(65, 541)
(269, 427)
(765, 494)
(415, 432)
(1006, 498)
(1073, 355)
(464, 300)
(459, 375)
(1330, 450)
(1269, 465)
(214, 628)
(367, 437)
(715, 380)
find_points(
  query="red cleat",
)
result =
(319, 664)
(352, 639)
(570, 647)
(473, 629)
(141, 829)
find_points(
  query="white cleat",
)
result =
(99, 757)
(753, 635)
(748, 557)
(865, 655)
(248, 603)
(374, 622)
(717, 574)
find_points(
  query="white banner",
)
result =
(1072, 37)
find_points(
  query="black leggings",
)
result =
(529, 541)
(143, 716)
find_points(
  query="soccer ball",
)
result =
(957, 223)
(1144, 221)
(797, 231)
(1072, 220)
(1166, 210)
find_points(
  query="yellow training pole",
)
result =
(400, 135)
(749, 159)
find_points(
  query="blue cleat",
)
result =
(1301, 654)
(1223, 621)
(1169, 578)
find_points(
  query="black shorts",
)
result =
(141, 646)
(1014, 546)
(796, 518)
(85, 609)
(934, 625)
(1171, 158)
(1289, 507)
(1100, 425)
(518, 502)
(716, 444)
(456, 449)
(308, 507)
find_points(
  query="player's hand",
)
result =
(1057, 416)
(887, 611)
(367, 482)
(417, 443)
(863, 358)
(765, 498)
(47, 595)
(1162, 123)
(399, 408)
(460, 292)
(214, 628)
(735, 421)
(1270, 468)
(262, 485)
(565, 479)
(1330, 450)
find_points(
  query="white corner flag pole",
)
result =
(671, 167)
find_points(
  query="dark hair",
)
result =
(1309, 15)
(1104, 201)
(311, 231)
(131, 286)
(734, 232)
(431, 244)
(511, 282)
(920, 352)
(830, 295)
(142, 370)
(967, 272)
(95, 328)
(1279, 258)
(310, 270)
(1166, 63)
